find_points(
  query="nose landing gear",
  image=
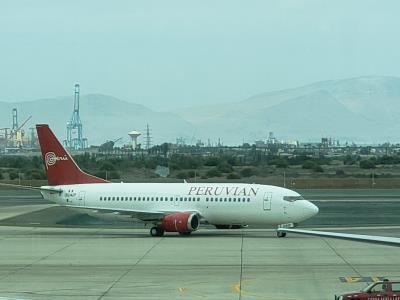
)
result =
(280, 234)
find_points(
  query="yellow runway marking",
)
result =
(236, 289)
(356, 279)
(185, 290)
(353, 279)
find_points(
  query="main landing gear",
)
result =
(156, 231)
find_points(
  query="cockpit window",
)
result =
(292, 198)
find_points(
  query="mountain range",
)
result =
(364, 109)
(103, 117)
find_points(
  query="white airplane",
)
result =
(171, 207)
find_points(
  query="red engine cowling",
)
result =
(181, 222)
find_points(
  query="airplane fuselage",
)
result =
(217, 203)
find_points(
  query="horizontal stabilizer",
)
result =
(29, 187)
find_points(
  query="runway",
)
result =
(42, 257)
(61, 263)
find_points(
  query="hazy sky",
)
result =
(167, 54)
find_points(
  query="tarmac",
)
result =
(39, 260)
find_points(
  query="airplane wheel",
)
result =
(156, 231)
(281, 234)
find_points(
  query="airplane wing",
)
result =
(146, 216)
(373, 239)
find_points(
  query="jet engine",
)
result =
(182, 222)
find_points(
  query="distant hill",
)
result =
(103, 117)
(365, 109)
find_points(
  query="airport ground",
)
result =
(48, 252)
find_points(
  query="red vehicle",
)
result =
(382, 290)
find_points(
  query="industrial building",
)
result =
(17, 138)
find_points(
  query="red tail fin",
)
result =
(60, 167)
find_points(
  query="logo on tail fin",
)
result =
(51, 158)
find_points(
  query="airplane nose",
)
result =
(301, 210)
(311, 209)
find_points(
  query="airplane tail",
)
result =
(61, 169)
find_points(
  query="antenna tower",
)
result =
(148, 138)
(75, 138)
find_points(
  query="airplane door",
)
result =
(267, 201)
(81, 199)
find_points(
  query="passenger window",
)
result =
(113, 198)
(156, 198)
(161, 199)
(248, 199)
(181, 199)
(171, 199)
(198, 199)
